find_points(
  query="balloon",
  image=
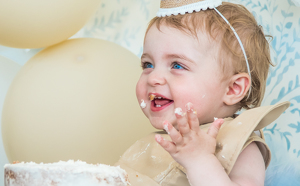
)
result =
(74, 100)
(36, 23)
(8, 70)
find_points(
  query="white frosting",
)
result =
(178, 111)
(62, 173)
(143, 104)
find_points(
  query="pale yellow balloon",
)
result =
(41, 23)
(8, 70)
(74, 100)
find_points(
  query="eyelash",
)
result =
(182, 66)
(144, 65)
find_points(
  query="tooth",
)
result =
(152, 96)
(159, 97)
(158, 105)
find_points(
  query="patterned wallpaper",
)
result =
(281, 19)
(124, 22)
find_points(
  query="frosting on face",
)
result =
(152, 96)
(143, 104)
(178, 111)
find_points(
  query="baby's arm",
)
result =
(249, 168)
(194, 149)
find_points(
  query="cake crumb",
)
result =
(152, 96)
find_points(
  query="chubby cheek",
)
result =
(140, 91)
(198, 99)
(141, 94)
(182, 100)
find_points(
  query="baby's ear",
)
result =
(238, 87)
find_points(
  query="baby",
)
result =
(196, 69)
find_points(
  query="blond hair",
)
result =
(252, 37)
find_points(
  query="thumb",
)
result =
(215, 127)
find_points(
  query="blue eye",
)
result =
(177, 66)
(147, 65)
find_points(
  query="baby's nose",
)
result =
(156, 78)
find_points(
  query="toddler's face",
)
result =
(179, 68)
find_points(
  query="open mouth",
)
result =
(159, 103)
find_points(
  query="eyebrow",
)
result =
(180, 57)
(145, 55)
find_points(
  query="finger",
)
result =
(173, 133)
(167, 145)
(215, 127)
(192, 117)
(182, 124)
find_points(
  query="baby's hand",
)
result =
(189, 143)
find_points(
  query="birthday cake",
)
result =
(70, 173)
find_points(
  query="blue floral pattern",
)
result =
(122, 22)
(281, 19)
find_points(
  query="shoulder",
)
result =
(236, 134)
(249, 168)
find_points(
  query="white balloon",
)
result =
(8, 70)
(74, 100)
(41, 23)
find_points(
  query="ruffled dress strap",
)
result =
(235, 134)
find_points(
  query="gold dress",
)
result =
(148, 164)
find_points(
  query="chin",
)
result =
(158, 123)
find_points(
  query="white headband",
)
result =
(198, 6)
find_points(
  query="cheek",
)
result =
(189, 93)
(139, 89)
